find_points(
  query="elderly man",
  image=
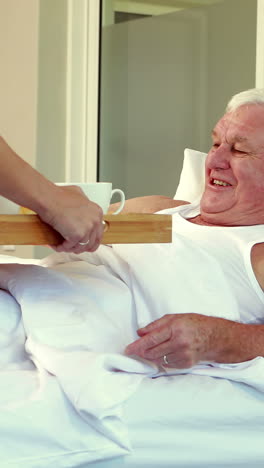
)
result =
(225, 235)
(233, 197)
(200, 305)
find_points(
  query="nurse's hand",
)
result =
(76, 218)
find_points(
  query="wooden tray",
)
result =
(28, 229)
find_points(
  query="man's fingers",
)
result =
(153, 325)
(149, 341)
(158, 351)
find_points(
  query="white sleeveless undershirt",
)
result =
(231, 248)
(206, 269)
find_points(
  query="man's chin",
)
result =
(209, 207)
(213, 206)
(217, 213)
(212, 212)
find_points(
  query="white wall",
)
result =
(18, 80)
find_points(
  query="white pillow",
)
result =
(191, 184)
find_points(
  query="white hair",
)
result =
(250, 96)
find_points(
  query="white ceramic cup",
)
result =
(100, 193)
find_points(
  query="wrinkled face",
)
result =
(234, 169)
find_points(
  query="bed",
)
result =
(64, 404)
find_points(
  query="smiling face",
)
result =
(234, 169)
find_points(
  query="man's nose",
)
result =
(219, 157)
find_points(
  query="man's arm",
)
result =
(187, 339)
(147, 204)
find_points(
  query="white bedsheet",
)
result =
(63, 403)
(188, 421)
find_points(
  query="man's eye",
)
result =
(216, 145)
(237, 151)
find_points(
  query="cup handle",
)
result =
(122, 200)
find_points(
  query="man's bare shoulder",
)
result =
(257, 260)
(149, 204)
(162, 203)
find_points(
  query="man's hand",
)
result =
(187, 339)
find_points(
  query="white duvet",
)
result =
(63, 371)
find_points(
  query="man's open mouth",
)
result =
(219, 182)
